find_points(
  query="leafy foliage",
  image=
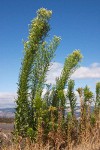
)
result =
(98, 95)
(36, 53)
(44, 119)
(70, 65)
(71, 96)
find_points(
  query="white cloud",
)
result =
(95, 65)
(93, 71)
(54, 72)
(7, 99)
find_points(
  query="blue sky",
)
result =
(77, 22)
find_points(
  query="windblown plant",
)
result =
(45, 120)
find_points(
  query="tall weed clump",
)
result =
(46, 121)
(37, 56)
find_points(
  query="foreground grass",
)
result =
(88, 142)
(83, 146)
(75, 134)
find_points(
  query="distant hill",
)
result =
(7, 112)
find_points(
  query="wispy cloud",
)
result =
(7, 99)
(92, 71)
(54, 72)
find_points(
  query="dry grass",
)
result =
(85, 146)
(78, 135)
(89, 142)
